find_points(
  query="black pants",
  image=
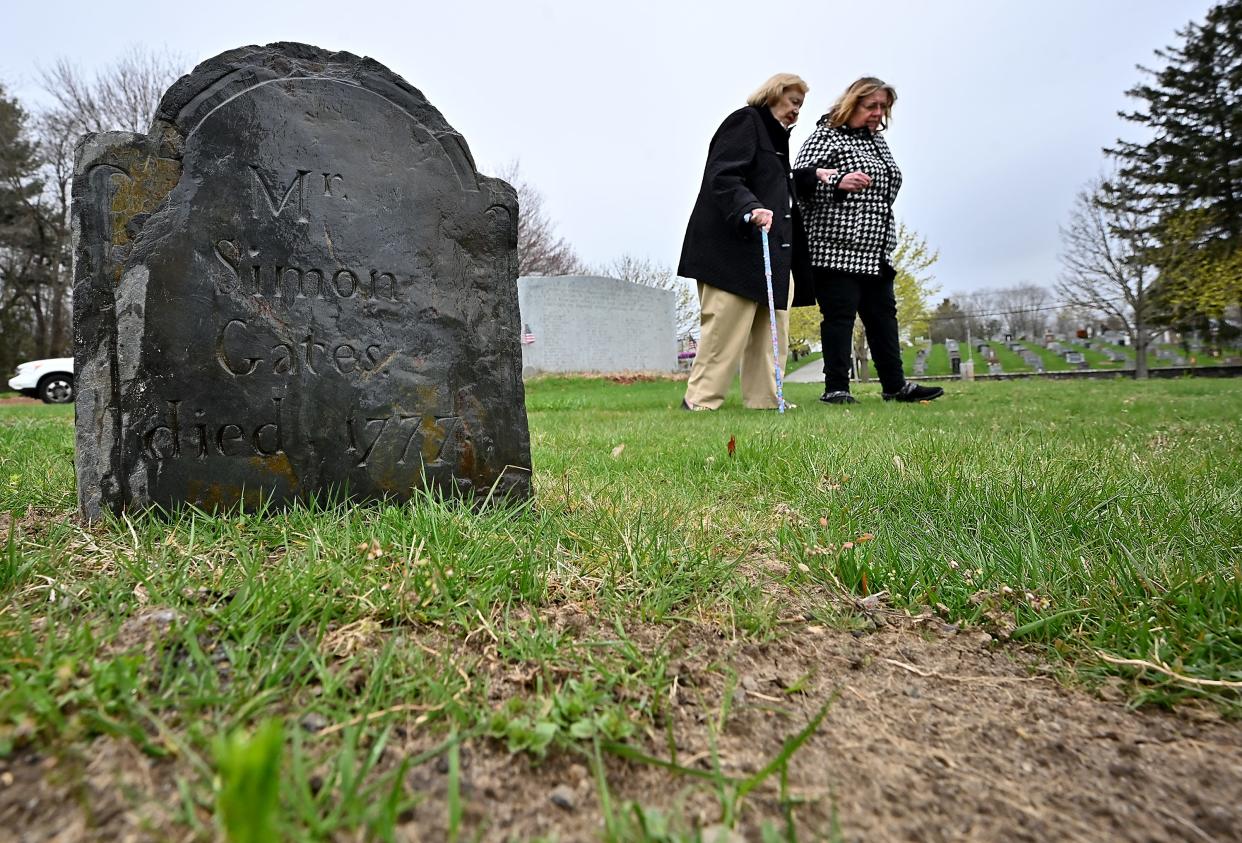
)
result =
(841, 295)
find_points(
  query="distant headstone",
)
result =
(1074, 357)
(297, 284)
(920, 367)
(950, 346)
(956, 362)
(995, 368)
(597, 324)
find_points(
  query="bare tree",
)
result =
(122, 96)
(981, 313)
(661, 276)
(1072, 318)
(1107, 267)
(541, 251)
(1023, 309)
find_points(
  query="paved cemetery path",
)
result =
(812, 372)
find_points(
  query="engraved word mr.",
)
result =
(295, 194)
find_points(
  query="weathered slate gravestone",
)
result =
(297, 283)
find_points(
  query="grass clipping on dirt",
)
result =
(644, 651)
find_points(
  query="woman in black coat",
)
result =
(748, 185)
(849, 218)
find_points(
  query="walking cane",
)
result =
(776, 348)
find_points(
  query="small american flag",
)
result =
(528, 336)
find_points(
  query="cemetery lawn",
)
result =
(1014, 613)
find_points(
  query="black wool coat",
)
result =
(748, 169)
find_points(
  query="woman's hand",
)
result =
(762, 218)
(824, 175)
(856, 180)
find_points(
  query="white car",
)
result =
(49, 380)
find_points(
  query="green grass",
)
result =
(1010, 361)
(1053, 362)
(1080, 517)
(1097, 359)
(937, 360)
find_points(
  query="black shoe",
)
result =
(912, 392)
(840, 396)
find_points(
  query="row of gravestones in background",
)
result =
(296, 283)
(1064, 355)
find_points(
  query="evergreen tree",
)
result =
(19, 191)
(948, 322)
(17, 164)
(1185, 181)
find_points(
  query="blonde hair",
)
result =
(856, 93)
(770, 92)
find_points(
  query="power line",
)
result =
(1054, 306)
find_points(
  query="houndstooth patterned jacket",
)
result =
(849, 231)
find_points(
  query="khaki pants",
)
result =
(736, 330)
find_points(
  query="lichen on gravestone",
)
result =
(296, 284)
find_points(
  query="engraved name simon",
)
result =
(287, 280)
(295, 282)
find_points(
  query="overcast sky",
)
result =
(1003, 107)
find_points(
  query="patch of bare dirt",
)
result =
(951, 737)
(627, 378)
(16, 399)
(933, 735)
(113, 791)
(34, 522)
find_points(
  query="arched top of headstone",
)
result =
(221, 79)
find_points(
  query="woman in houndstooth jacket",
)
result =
(851, 233)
